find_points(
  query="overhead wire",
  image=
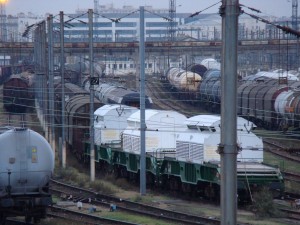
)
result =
(178, 100)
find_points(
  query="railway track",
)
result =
(105, 202)
(164, 99)
(15, 221)
(280, 150)
(82, 217)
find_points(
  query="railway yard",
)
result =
(111, 124)
(126, 206)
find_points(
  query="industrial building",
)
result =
(122, 25)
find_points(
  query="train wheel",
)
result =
(133, 177)
(116, 172)
(150, 179)
(186, 188)
(124, 172)
(209, 192)
(174, 184)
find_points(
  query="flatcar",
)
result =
(196, 167)
(18, 94)
(26, 166)
(180, 152)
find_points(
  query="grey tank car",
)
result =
(26, 166)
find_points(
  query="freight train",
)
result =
(181, 153)
(77, 109)
(270, 100)
(26, 166)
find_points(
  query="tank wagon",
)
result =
(197, 68)
(268, 102)
(210, 90)
(210, 64)
(180, 153)
(18, 93)
(112, 94)
(185, 83)
(26, 165)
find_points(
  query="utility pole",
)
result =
(40, 62)
(50, 78)
(142, 103)
(44, 80)
(62, 71)
(228, 148)
(96, 10)
(91, 56)
(295, 14)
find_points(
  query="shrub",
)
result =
(263, 205)
(101, 187)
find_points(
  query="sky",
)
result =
(41, 7)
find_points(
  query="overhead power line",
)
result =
(286, 29)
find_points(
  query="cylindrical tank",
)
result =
(26, 162)
(211, 64)
(184, 80)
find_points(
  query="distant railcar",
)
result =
(77, 109)
(113, 94)
(18, 93)
(269, 99)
